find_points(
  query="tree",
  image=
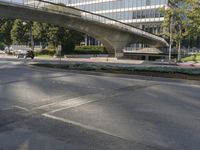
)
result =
(19, 32)
(54, 35)
(174, 26)
(73, 38)
(64, 37)
(5, 28)
(40, 33)
(193, 18)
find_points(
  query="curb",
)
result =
(119, 75)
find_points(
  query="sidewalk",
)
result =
(92, 59)
(106, 60)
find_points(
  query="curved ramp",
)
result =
(113, 34)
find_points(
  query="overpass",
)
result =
(113, 34)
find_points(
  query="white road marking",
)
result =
(19, 107)
(66, 104)
(77, 101)
(49, 104)
(56, 103)
(72, 102)
(81, 125)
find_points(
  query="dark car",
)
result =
(30, 54)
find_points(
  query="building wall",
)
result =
(128, 11)
(143, 14)
(135, 12)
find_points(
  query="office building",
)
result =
(144, 14)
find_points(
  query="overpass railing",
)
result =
(63, 9)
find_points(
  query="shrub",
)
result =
(45, 52)
(90, 50)
(2, 46)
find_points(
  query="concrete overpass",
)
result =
(113, 34)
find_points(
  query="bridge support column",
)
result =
(147, 57)
(119, 54)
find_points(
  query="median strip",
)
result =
(153, 71)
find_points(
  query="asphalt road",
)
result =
(44, 109)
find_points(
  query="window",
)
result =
(148, 2)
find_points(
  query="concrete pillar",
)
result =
(147, 57)
(85, 39)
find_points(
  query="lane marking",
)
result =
(80, 125)
(91, 128)
(86, 99)
(72, 105)
(19, 107)
(57, 103)
(69, 103)
(47, 100)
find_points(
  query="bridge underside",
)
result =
(112, 37)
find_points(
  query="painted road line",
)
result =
(19, 107)
(80, 125)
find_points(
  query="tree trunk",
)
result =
(179, 51)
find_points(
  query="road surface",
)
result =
(44, 109)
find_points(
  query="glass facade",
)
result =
(144, 14)
(128, 11)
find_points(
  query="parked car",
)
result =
(25, 54)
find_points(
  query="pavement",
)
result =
(43, 109)
(99, 60)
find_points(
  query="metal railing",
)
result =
(67, 10)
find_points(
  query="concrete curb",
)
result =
(137, 77)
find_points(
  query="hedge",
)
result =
(90, 50)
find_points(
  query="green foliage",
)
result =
(182, 21)
(126, 69)
(45, 52)
(90, 50)
(5, 28)
(195, 58)
(192, 8)
(2, 46)
(70, 41)
(51, 47)
(174, 17)
(54, 35)
(40, 31)
(19, 32)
